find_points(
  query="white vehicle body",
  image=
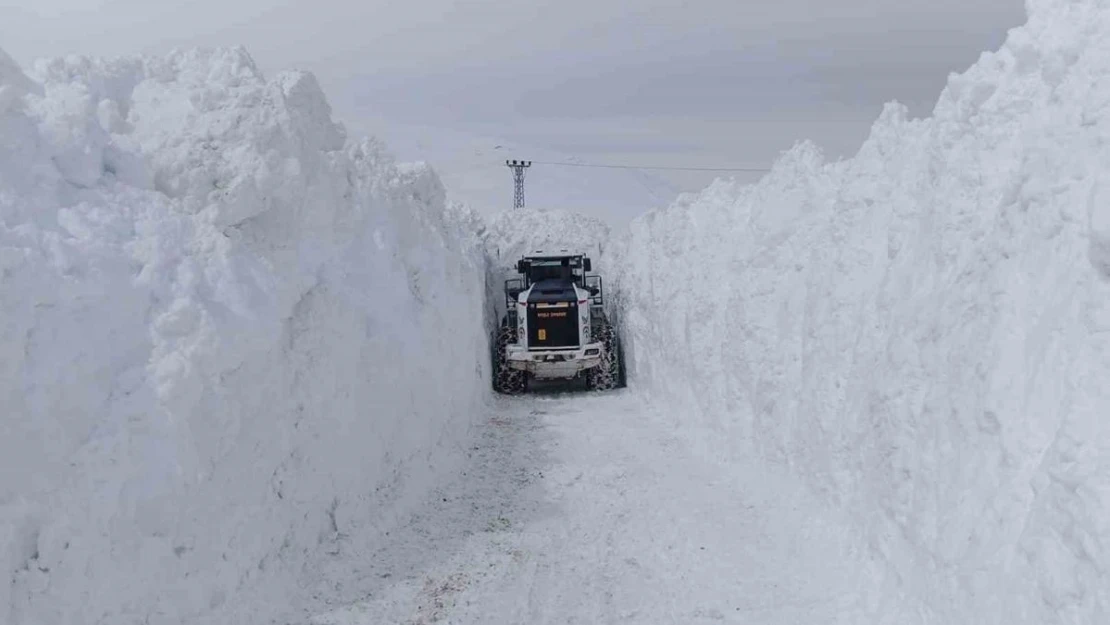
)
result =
(565, 361)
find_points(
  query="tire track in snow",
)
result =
(591, 508)
(410, 578)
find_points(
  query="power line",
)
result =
(608, 166)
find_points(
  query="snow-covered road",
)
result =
(582, 508)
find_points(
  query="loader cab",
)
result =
(555, 325)
(562, 268)
(555, 275)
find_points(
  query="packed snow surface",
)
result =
(592, 508)
(219, 323)
(921, 333)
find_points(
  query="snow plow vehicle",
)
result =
(555, 326)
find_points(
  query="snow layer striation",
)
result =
(921, 332)
(219, 318)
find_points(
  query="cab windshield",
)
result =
(553, 269)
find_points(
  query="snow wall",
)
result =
(922, 332)
(229, 339)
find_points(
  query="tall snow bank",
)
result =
(230, 339)
(922, 332)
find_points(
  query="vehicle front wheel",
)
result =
(507, 380)
(607, 375)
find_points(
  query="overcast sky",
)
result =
(667, 81)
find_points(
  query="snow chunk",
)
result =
(14, 84)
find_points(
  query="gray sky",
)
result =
(710, 82)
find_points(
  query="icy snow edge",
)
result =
(231, 340)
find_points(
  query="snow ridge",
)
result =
(218, 317)
(920, 332)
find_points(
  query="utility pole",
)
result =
(518, 168)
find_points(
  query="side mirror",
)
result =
(522, 266)
(586, 264)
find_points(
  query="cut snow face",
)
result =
(217, 320)
(514, 233)
(920, 331)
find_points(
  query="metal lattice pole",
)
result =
(518, 168)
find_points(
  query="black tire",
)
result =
(506, 380)
(609, 374)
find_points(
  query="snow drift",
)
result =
(218, 323)
(921, 332)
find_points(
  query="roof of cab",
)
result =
(552, 254)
